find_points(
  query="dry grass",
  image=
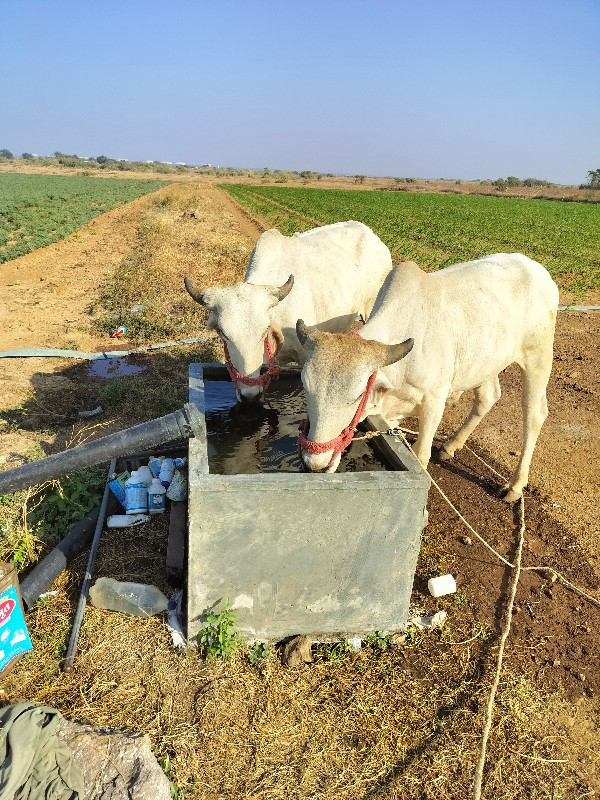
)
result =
(399, 723)
(187, 231)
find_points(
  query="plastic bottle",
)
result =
(156, 497)
(139, 599)
(145, 474)
(136, 495)
(126, 520)
(155, 465)
(166, 471)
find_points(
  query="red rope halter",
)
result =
(263, 380)
(341, 442)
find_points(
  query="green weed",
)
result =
(218, 638)
(378, 640)
(258, 653)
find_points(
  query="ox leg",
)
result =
(536, 374)
(486, 396)
(430, 416)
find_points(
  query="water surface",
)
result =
(242, 441)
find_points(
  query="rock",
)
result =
(422, 621)
(466, 540)
(297, 651)
(115, 765)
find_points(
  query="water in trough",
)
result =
(242, 441)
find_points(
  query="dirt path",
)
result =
(44, 299)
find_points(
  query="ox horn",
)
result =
(194, 293)
(395, 352)
(305, 335)
(281, 292)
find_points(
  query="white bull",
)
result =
(468, 322)
(337, 272)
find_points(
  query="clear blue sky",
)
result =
(428, 88)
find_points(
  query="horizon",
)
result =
(39, 157)
(348, 88)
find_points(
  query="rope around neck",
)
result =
(263, 380)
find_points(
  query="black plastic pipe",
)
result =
(43, 575)
(182, 424)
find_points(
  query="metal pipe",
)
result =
(67, 664)
(182, 424)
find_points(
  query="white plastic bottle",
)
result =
(136, 495)
(145, 474)
(167, 469)
(139, 599)
(156, 497)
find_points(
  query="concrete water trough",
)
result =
(329, 555)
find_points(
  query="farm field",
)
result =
(400, 720)
(436, 230)
(36, 210)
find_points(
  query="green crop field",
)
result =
(36, 210)
(436, 230)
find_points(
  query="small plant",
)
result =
(379, 639)
(258, 652)
(219, 639)
(167, 768)
(485, 632)
(334, 652)
(460, 598)
(412, 635)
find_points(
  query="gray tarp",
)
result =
(34, 763)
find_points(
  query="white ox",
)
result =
(337, 272)
(467, 323)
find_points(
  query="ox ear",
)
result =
(196, 294)
(306, 337)
(396, 352)
(281, 292)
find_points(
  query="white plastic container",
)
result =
(136, 495)
(145, 474)
(126, 520)
(138, 599)
(443, 584)
(167, 469)
(156, 497)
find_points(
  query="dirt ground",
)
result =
(555, 639)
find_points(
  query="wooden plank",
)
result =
(175, 565)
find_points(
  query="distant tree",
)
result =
(27, 156)
(359, 178)
(511, 181)
(500, 184)
(104, 159)
(593, 179)
(4, 153)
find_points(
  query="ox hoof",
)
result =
(508, 495)
(444, 455)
